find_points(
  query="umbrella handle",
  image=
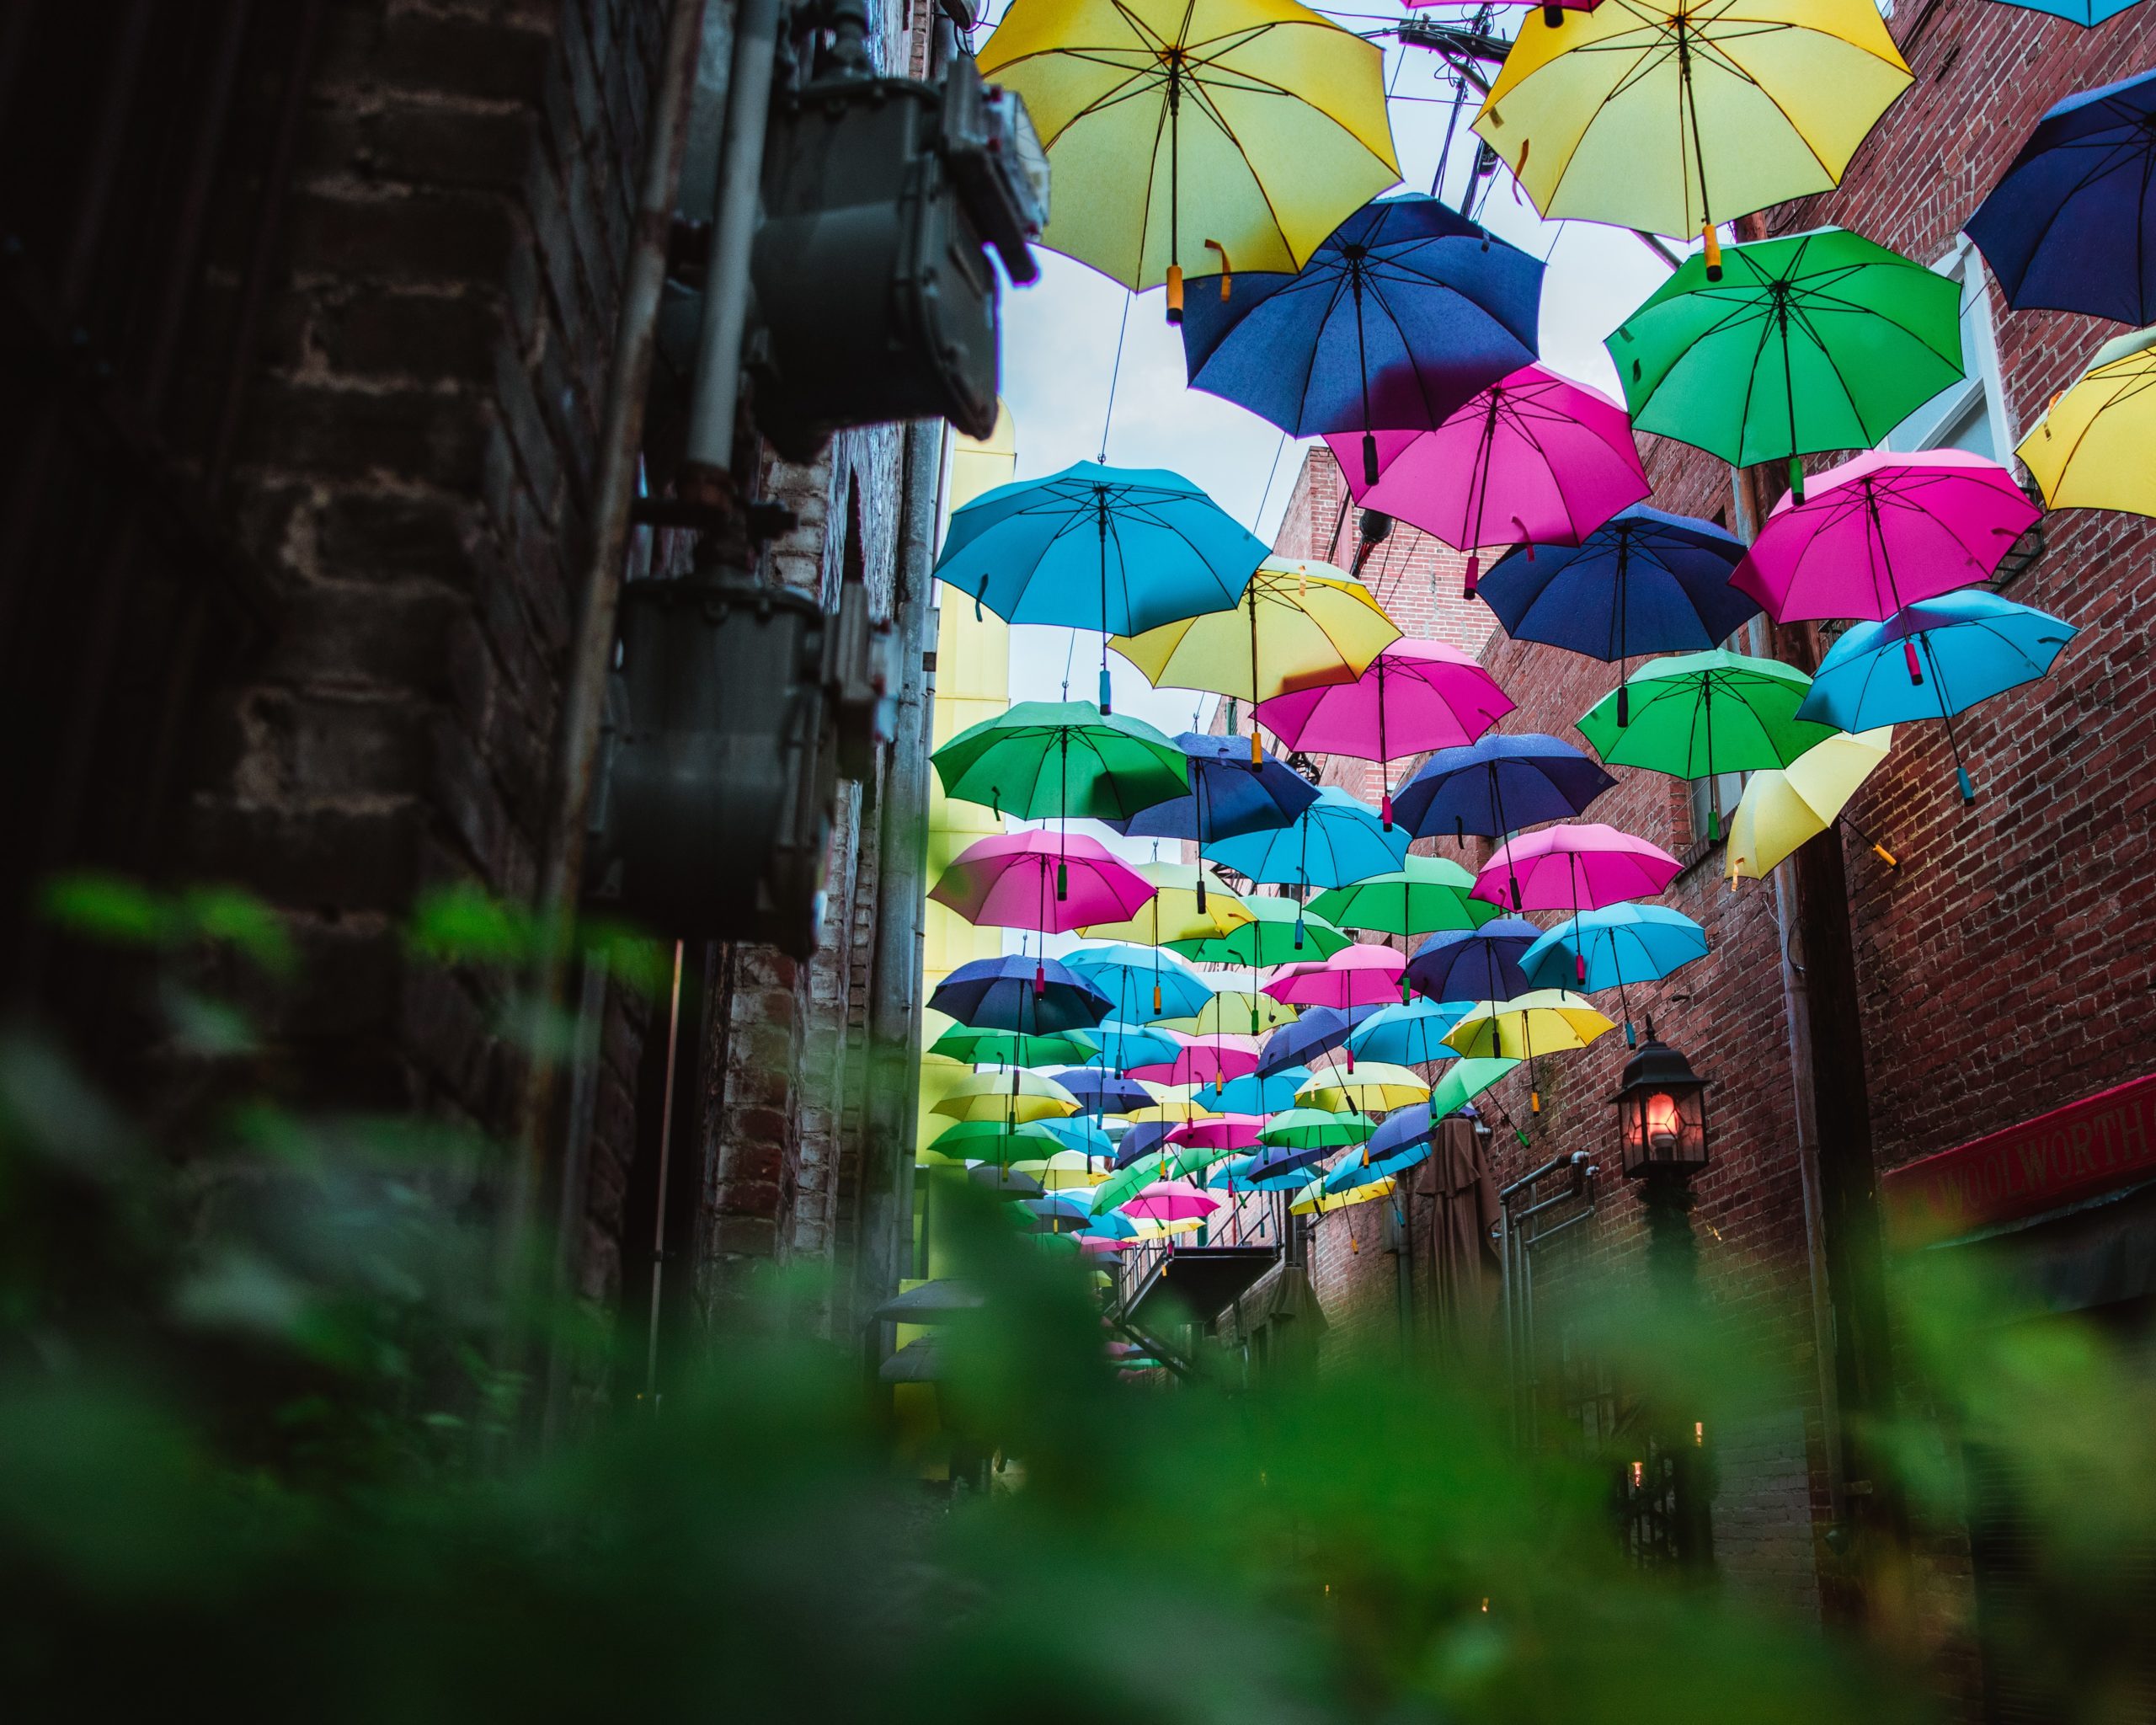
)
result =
(1474, 569)
(1227, 270)
(1712, 244)
(1175, 293)
(1909, 658)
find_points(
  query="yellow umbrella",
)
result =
(1236, 1012)
(1014, 1096)
(1672, 115)
(1254, 127)
(1178, 1109)
(1065, 1170)
(1298, 626)
(1315, 1200)
(1190, 902)
(2090, 450)
(1373, 1087)
(1546, 1022)
(1782, 807)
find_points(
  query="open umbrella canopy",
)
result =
(2090, 450)
(1462, 1082)
(1038, 996)
(1317, 1032)
(1423, 894)
(1353, 976)
(1584, 866)
(1334, 842)
(1013, 1048)
(1061, 757)
(1016, 1096)
(2088, 13)
(1066, 1170)
(1124, 1045)
(1932, 660)
(1498, 785)
(1208, 1060)
(1225, 794)
(1054, 1208)
(996, 1140)
(1039, 879)
(1190, 901)
(1410, 1035)
(1141, 982)
(1881, 530)
(1473, 964)
(1171, 1110)
(1782, 807)
(1534, 458)
(1670, 116)
(1169, 1201)
(1079, 1133)
(1416, 696)
(1318, 1129)
(1315, 1197)
(1279, 931)
(1237, 1011)
(1278, 1167)
(1542, 1022)
(1101, 1092)
(1404, 311)
(1399, 1144)
(1255, 125)
(1262, 1092)
(1613, 946)
(1817, 340)
(1374, 1087)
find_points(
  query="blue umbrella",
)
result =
(1932, 660)
(1401, 1142)
(1318, 1031)
(1077, 1132)
(1124, 1045)
(1280, 1167)
(1644, 581)
(1475, 964)
(1034, 996)
(1101, 1092)
(1612, 946)
(1406, 312)
(1411, 1035)
(1497, 785)
(1142, 983)
(2071, 226)
(1228, 796)
(2088, 13)
(1142, 1140)
(1054, 1209)
(1262, 1092)
(1334, 841)
(1118, 549)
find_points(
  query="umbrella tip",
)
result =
(1712, 247)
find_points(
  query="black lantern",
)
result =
(1661, 1112)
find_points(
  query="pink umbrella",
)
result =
(1416, 696)
(1548, 6)
(1580, 867)
(1169, 1201)
(1211, 1060)
(1093, 1245)
(1036, 879)
(1221, 1132)
(1364, 975)
(1535, 458)
(1883, 531)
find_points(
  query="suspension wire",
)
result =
(1115, 371)
(1264, 497)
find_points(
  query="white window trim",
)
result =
(1964, 265)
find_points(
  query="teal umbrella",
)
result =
(1041, 758)
(1014, 1048)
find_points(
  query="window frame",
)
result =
(1963, 264)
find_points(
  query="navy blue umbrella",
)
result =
(1318, 1031)
(1402, 1140)
(2071, 226)
(1644, 581)
(1033, 997)
(1142, 1139)
(1102, 1092)
(1497, 785)
(1228, 796)
(1475, 964)
(1405, 312)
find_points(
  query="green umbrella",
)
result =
(1815, 341)
(1697, 715)
(1062, 757)
(1316, 1128)
(1280, 932)
(1424, 895)
(1127, 1182)
(1013, 1048)
(1462, 1082)
(995, 1141)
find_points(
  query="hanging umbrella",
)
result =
(1086, 1136)
(1190, 901)
(1612, 947)
(1932, 660)
(1315, 1197)
(1496, 786)
(1225, 795)
(1334, 841)
(1817, 340)
(1881, 530)
(1278, 1168)
(1038, 996)
(1264, 1091)
(1397, 1145)
(1477, 964)
(1066, 1170)
(1279, 931)
(1040, 758)
(1375, 1087)
(1407, 310)
(1416, 696)
(1410, 1035)
(1171, 1108)
(1124, 1045)
(1354, 976)
(1005, 1182)
(1012, 1048)
(1055, 1210)
(1318, 1031)
(1213, 1060)
(1016, 1095)
(1100, 1091)
(1672, 115)
(1039, 879)
(1237, 1012)
(1782, 807)
(1199, 1144)
(1462, 1082)
(1251, 125)
(1169, 1201)
(1143, 1140)
(1542, 1022)
(2068, 225)
(1318, 1129)
(2090, 450)
(1141, 982)
(1536, 459)
(1297, 625)
(993, 1140)
(1423, 894)
(1703, 714)
(1644, 581)
(1577, 868)
(1117, 549)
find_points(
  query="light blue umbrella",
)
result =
(1124, 1045)
(1142, 983)
(2088, 13)
(1609, 948)
(1266, 1093)
(1078, 1133)
(1121, 550)
(1932, 660)
(1412, 1035)
(1336, 841)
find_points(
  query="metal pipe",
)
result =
(715, 396)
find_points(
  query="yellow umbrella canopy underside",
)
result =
(1782, 807)
(1006, 1096)
(1172, 913)
(2090, 450)
(1373, 1087)
(1237, 1011)
(1315, 1200)
(1610, 115)
(1298, 626)
(1276, 132)
(1546, 1022)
